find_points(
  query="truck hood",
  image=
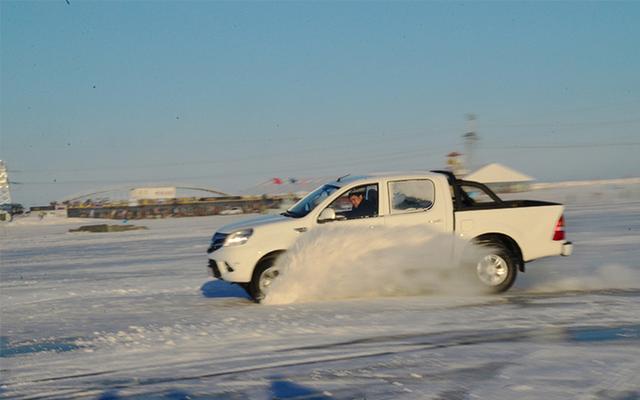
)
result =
(256, 222)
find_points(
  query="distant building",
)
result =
(152, 193)
(501, 179)
(179, 207)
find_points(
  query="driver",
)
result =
(360, 207)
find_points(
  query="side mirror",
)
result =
(328, 214)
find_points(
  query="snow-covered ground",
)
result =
(133, 315)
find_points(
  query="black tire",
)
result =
(495, 268)
(264, 271)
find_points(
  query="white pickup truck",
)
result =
(514, 232)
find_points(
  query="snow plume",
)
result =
(337, 262)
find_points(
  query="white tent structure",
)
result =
(500, 178)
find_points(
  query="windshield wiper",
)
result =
(290, 214)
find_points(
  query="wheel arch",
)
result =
(268, 256)
(505, 240)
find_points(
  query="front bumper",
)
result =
(232, 264)
(225, 271)
(567, 249)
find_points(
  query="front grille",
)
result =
(216, 242)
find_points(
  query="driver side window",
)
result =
(358, 202)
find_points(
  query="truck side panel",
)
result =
(532, 228)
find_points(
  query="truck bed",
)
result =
(470, 205)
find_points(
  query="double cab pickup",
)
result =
(513, 232)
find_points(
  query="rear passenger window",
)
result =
(410, 195)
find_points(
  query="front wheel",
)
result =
(495, 267)
(264, 275)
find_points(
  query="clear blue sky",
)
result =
(228, 94)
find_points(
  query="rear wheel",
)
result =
(265, 273)
(495, 267)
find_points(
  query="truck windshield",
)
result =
(310, 201)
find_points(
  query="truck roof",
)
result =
(345, 180)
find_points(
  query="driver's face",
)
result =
(355, 200)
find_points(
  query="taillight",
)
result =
(558, 231)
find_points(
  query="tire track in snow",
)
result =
(393, 344)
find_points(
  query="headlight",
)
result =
(239, 237)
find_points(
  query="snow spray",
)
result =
(338, 262)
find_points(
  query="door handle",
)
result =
(434, 221)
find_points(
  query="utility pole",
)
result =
(470, 140)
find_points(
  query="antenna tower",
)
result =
(5, 194)
(470, 140)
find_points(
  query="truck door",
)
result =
(413, 202)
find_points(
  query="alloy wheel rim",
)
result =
(266, 279)
(492, 270)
